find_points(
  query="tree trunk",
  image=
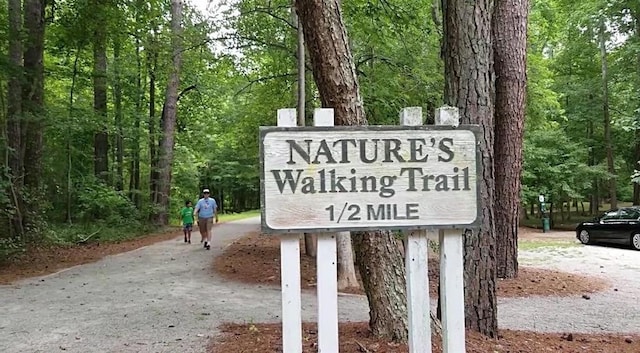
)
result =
(14, 92)
(310, 244)
(636, 186)
(469, 83)
(14, 158)
(607, 119)
(594, 199)
(152, 64)
(377, 253)
(117, 92)
(134, 177)
(74, 78)
(169, 113)
(310, 241)
(33, 92)
(510, 60)
(346, 268)
(301, 91)
(101, 138)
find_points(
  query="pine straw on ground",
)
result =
(256, 259)
(356, 338)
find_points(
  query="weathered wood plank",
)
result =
(327, 271)
(451, 268)
(369, 178)
(416, 263)
(290, 273)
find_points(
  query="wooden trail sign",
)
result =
(412, 177)
(368, 177)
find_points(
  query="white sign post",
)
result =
(290, 272)
(416, 178)
(327, 271)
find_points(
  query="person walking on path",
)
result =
(206, 209)
(186, 214)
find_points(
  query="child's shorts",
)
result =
(188, 226)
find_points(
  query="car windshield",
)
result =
(610, 215)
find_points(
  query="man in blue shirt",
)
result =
(206, 209)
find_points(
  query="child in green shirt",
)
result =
(186, 214)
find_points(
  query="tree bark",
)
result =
(15, 155)
(636, 186)
(152, 64)
(134, 177)
(346, 264)
(117, 93)
(594, 199)
(469, 82)
(169, 113)
(310, 241)
(33, 92)
(14, 93)
(510, 64)
(607, 118)
(377, 253)
(72, 90)
(101, 138)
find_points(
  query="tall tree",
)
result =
(134, 175)
(469, 85)
(33, 91)
(117, 93)
(14, 90)
(510, 58)
(14, 116)
(602, 40)
(101, 137)
(152, 65)
(169, 113)
(636, 20)
(377, 253)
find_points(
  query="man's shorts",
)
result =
(205, 225)
(187, 226)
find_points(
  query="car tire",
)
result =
(584, 237)
(635, 241)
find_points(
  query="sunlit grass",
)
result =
(533, 245)
(228, 217)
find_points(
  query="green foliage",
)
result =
(556, 167)
(241, 69)
(11, 248)
(99, 202)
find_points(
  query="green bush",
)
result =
(99, 202)
(10, 247)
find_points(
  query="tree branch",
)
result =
(263, 79)
(266, 10)
(192, 87)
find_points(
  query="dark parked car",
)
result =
(621, 226)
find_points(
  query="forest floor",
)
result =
(554, 285)
(44, 259)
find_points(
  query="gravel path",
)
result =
(614, 310)
(163, 298)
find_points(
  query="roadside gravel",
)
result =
(616, 309)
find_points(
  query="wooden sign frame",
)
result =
(338, 132)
